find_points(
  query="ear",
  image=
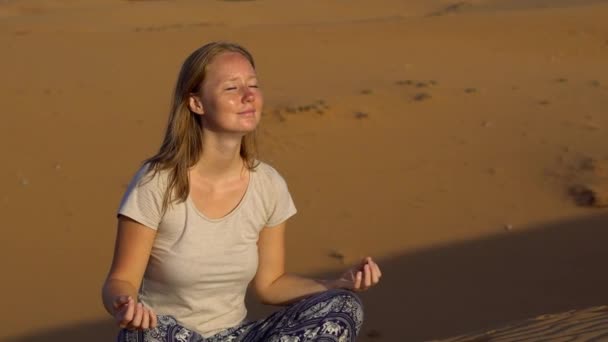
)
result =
(195, 104)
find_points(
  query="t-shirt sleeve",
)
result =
(143, 199)
(282, 203)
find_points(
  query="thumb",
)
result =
(120, 301)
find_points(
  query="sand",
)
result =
(441, 137)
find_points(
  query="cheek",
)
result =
(231, 103)
(217, 104)
(259, 99)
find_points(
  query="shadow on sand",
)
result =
(464, 287)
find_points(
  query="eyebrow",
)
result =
(237, 78)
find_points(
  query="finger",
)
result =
(127, 314)
(358, 277)
(374, 271)
(153, 319)
(120, 301)
(377, 269)
(136, 322)
(145, 319)
(367, 272)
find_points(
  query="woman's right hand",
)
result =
(133, 316)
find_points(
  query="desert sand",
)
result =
(444, 138)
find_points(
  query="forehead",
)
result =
(229, 64)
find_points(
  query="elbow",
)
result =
(268, 289)
(263, 296)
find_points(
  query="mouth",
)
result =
(248, 112)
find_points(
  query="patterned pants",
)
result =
(334, 316)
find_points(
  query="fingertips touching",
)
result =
(376, 268)
(358, 278)
(373, 275)
(128, 316)
(137, 318)
(368, 276)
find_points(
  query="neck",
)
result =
(221, 157)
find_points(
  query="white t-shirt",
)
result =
(199, 268)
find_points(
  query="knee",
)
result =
(342, 313)
(347, 302)
(346, 296)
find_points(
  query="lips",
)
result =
(247, 112)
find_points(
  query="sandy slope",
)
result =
(448, 136)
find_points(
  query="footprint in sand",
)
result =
(319, 107)
(361, 115)
(451, 9)
(335, 254)
(404, 82)
(421, 97)
(373, 333)
(591, 187)
(417, 84)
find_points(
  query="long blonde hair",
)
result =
(182, 145)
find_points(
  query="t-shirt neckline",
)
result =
(231, 212)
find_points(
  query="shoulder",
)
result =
(265, 168)
(147, 182)
(277, 198)
(146, 177)
(268, 173)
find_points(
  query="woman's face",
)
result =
(230, 99)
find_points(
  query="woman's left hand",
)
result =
(360, 277)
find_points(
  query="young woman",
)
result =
(203, 218)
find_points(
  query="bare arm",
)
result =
(131, 252)
(273, 286)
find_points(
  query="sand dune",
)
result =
(436, 135)
(575, 325)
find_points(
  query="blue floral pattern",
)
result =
(334, 316)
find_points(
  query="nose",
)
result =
(248, 95)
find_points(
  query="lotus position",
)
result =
(203, 219)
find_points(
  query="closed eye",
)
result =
(230, 88)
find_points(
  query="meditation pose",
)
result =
(203, 219)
